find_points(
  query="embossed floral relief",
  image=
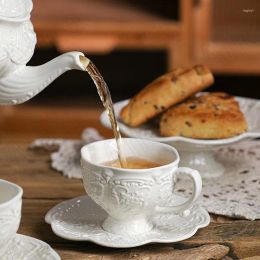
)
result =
(17, 42)
(125, 195)
(15, 8)
(9, 220)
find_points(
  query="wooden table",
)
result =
(44, 188)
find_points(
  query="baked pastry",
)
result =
(164, 92)
(209, 116)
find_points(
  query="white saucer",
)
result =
(28, 248)
(80, 219)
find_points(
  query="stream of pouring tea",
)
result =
(105, 97)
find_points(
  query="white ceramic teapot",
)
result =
(18, 82)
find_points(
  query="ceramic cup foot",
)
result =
(202, 161)
(126, 227)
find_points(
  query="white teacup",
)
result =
(130, 196)
(10, 212)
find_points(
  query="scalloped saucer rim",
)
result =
(42, 247)
(52, 218)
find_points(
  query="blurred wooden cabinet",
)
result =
(227, 35)
(223, 34)
(101, 26)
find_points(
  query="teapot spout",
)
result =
(27, 81)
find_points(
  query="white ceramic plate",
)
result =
(80, 219)
(250, 107)
(28, 248)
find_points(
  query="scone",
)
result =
(210, 116)
(164, 92)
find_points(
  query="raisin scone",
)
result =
(209, 116)
(164, 92)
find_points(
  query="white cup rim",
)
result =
(13, 198)
(167, 146)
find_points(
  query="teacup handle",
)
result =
(196, 190)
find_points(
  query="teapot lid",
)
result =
(15, 10)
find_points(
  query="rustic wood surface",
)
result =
(24, 123)
(44, 188)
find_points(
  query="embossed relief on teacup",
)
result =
(129, 193)
(9, 220)
(109, 192)
(165, 183)
(95, 184)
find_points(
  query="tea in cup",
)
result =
(132, 163)
(10, 212)
(130, 195)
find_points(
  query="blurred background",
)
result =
(132, 42)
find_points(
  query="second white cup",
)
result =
(10, 212)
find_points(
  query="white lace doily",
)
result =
(67, 157)
(237, 192)
(234, 194)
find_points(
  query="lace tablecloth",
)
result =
(234, 194)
